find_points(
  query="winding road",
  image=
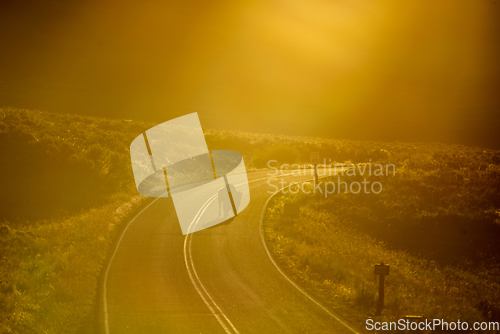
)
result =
(218, 280)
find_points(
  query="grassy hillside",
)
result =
(79, 161)
(67, 187)
(65, 190)
(82, 162)
(436, 222)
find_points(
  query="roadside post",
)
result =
(381, 270)
(315, 161)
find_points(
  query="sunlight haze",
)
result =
(384, 70)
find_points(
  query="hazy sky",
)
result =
(384, 70)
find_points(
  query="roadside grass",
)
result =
(336, 264)
(436, 223)
(49, 269)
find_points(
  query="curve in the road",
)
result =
(281, 271)
(224, 321)
(226, 324)
(195, 280)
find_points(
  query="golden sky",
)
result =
(382, 70)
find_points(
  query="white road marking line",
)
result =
(283, 274)
(195, 279)
(105, 282)
(105, 299)
(193, 276)
(104, 292)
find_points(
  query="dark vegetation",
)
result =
(444, 204)
(65, 188)
(79, 161)
(437, 222)
(67, 185)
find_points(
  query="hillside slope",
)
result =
(67, 187)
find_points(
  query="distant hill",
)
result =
(55, 164)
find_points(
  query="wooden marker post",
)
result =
(381, 270)
(315, 161)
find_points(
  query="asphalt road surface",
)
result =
(218, 280)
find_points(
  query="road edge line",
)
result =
(261, 231)
(195, 281)
(105, 280)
